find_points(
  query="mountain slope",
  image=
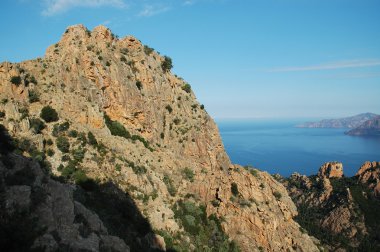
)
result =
(98, 108)
(368, 128)
(346, 122)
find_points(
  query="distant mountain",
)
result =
(368, 128)
(346, 122)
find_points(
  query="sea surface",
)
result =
(276, 146)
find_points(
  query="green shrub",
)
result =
(91, 139)
(78, 154)
(277, 195)
(123, 58)
(169, 108)
(36, 125)
(24, 113)
(16, 80)
(139, 170)
(49, 114)
(2, 114)
(139, 85)
(202, 106)
(82, 138)
(118, 167)
(234, 189)
(33, 96)
(124, 50)
(73, 133)
(108, 63)
(186, 88)
(188, 174)
(50, 152)
(169, 185)
(176, 121)
(116, 128)
(148, 50)
(63, 144)
(167, 64)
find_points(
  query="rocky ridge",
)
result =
(97, 110)
(346, 122)
(342, 212)
(370, 127)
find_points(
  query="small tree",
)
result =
(167, 64)
(49, 114)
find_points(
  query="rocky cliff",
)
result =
(346, 122)
(96, 111)
(370, 127)
(342, 212)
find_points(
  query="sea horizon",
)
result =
(276, 145)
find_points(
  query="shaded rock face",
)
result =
(370, 127)
(341, 212)
(40, 213)
(331, 170)
(124, 119)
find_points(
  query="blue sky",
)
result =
(244, 59)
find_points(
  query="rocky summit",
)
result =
(112, 152)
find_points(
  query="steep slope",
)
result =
(346, 122)
(342, 212)
(113, 112)
(368, 128)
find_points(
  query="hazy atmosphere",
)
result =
(244, 59)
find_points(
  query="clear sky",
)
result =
(243, 58)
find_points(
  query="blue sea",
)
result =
(276, 146)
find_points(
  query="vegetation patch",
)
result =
(49, 114)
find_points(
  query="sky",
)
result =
(243, 58)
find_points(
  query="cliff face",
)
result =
(342, 212)
(123, 118)
(368, 128)
(346, 122)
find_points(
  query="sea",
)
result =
(277, 146)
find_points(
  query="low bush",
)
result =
(33, 96)
(91, 139)
(188, 174)
(63, 144)
(167, 64)
(186, 88)
(36, 125)
(116, 128)
(234, 189)
(49, 114)
(16, 80)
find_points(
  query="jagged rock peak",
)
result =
(331, 170)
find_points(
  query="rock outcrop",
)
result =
(331, 170)
(123, 118)
(342, 212)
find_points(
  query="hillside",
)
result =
(342, 212)
(107, 119)
(368, 128)
(346, 122)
